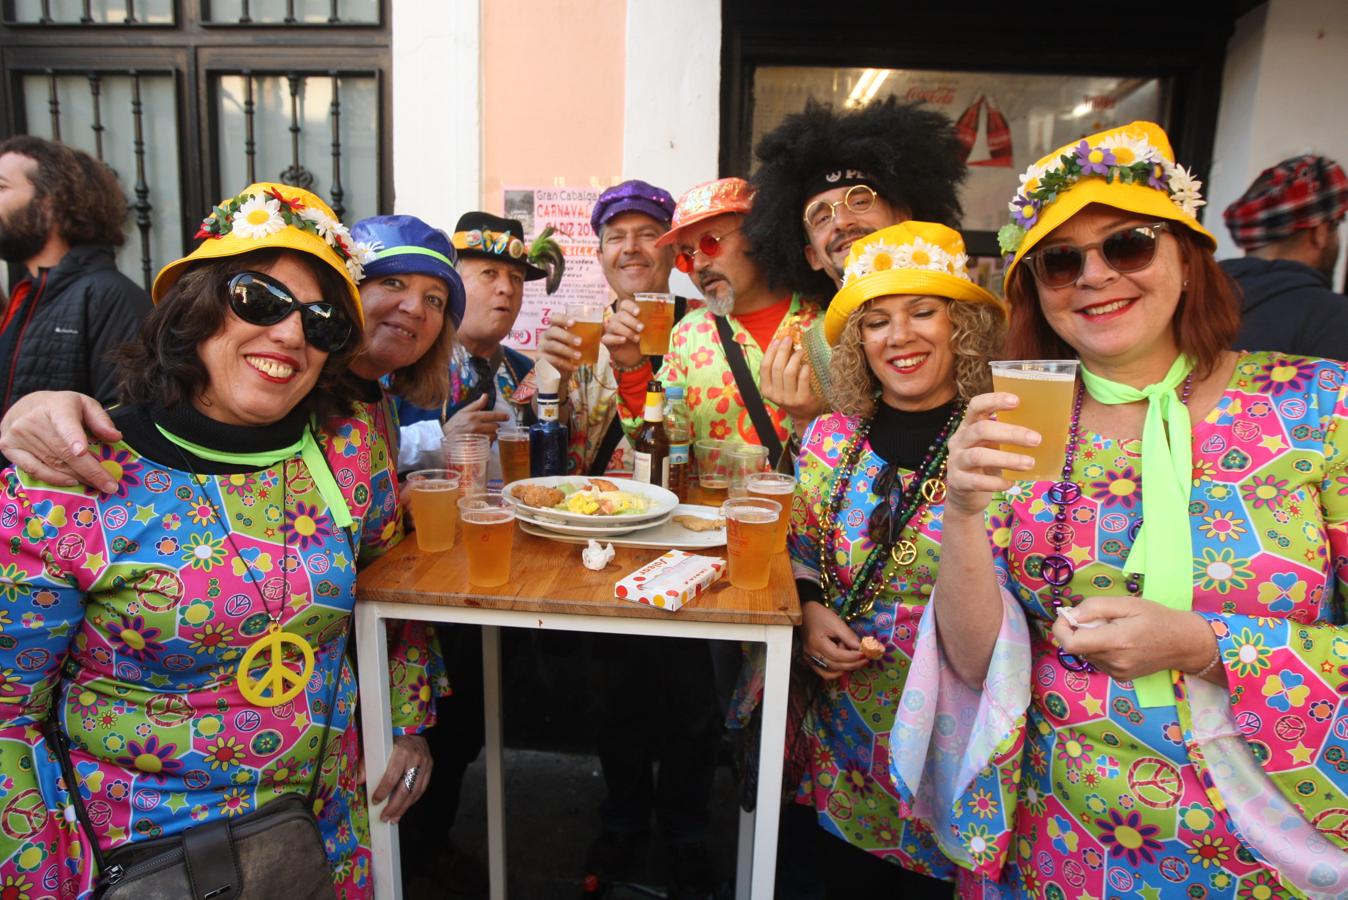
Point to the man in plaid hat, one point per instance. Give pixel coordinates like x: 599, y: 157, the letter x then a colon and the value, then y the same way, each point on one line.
x: 1287, y: 223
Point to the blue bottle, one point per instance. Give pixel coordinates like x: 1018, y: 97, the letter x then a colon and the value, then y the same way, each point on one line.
x: 548, y: 439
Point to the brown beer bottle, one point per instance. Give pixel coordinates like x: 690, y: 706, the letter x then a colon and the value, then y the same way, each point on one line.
x: 652, y: 441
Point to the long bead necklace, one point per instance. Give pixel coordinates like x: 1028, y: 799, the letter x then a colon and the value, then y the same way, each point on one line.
x: 926, y: 487
x: 1057, y: 568
x: 278, y: 683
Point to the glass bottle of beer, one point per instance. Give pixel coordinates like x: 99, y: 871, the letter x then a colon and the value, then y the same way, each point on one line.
x: 651, y: 463
x: 548, y: 439
x: 678, y: 427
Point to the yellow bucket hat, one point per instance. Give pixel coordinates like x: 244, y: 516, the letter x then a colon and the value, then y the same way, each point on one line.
x: 1131, y: 168
x: 266, y: 216
x: 921, y: 258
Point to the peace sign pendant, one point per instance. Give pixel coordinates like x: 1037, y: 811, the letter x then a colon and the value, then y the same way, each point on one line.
x: 904, y: 552
x: 279, y: 682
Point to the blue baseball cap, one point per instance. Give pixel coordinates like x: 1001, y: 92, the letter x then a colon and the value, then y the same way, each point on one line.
x: 632, y: 196
x: 405, y: 245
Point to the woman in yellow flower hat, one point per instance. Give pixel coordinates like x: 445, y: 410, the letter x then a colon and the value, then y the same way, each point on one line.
x: 179, y: 638
x: 911, y: 336
x: 1136, y: 687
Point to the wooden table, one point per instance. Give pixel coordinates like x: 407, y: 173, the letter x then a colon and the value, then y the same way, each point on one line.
x: 550, y: 589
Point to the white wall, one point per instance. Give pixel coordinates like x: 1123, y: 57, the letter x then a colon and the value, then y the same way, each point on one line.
x: 437, y: 109
x: 1282, y: 96
x: 672, y: 113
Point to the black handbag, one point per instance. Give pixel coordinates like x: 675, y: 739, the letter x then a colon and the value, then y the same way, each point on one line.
x: 273, y: 853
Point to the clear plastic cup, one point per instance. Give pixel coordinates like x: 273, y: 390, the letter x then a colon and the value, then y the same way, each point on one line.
x: 467, y: 454
x: 745, y: 460
x: 778, y: 488
x: 588, y: 325
x: 512, y: 442
x: 656, y: 314
x: 1045, y: 388
x: 713, y: 470
x: 433, y: 496
x: 751, y: 534
x: 488, y: 536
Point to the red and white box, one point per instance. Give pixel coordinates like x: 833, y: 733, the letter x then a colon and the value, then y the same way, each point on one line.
x: 671, y: 581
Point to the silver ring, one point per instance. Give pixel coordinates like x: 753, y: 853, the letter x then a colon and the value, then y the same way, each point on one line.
x: 817, y: 661
x: 410, y: 778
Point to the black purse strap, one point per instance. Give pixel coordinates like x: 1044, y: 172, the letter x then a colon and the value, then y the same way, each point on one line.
x: 753, y: 400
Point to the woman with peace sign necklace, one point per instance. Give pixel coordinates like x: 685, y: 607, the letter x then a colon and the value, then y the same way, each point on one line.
x: 1136, y: 687
x: 912, y: 336
x: 183, y: 633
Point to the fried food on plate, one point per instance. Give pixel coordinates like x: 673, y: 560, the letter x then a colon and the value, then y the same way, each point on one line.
x: 698, y: 523
x: 537, y: 495
x: 603, y: 484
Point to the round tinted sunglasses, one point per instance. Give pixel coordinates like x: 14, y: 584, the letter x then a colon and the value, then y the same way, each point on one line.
x: 708, y: 245
x: 1126, y: 250
x: 858, y: 199
x: 262, y: 300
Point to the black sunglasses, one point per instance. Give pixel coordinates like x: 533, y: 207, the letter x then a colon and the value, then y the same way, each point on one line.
x: 1126, y: 250
x: 262, y: 300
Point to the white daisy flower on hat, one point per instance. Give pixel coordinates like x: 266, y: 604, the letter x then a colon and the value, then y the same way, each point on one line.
x: 323, y: 223
x: 878, y: 257
x: 959, y: 265
x: 257, y: 217
x: 1128, y: 149
x: 922, y: 254
x: 1184, y: 190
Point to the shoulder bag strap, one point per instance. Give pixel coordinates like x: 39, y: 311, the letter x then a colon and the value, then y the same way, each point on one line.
x: 753, y: 401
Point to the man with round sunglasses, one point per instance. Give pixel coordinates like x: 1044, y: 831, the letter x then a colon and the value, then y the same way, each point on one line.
x: 741, y: 318
x: 825, y: 179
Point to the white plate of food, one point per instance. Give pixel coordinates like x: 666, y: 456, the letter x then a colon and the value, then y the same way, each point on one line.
x: 596, y: 529
x: 689, y: 527
x: 592, y: 502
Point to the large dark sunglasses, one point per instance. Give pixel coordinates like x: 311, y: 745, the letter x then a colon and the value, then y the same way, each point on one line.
x: 1126, y: 250
x: 709, y: 245
x: 262, y: 300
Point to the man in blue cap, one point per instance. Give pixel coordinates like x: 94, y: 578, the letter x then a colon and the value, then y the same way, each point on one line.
x: 627, y: 219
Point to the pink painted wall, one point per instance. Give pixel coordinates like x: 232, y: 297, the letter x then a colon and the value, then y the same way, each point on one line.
x: 553, y: 74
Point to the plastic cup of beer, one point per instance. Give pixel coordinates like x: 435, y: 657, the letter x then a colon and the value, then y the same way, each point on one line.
x: 467, y: 454
x: 751, y: 536
x: 588, y: 325
x: 512, y: 442
x: 1045, y: 388
x: 488, y: 534
x: 656, y: 313
x: 713, y: 470
x: 779, y: 489
x: 433, y: 495
x: 745, y: 460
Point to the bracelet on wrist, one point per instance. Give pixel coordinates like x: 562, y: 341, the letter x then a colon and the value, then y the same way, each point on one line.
x: 1212, y: 664
x: 622, y: 370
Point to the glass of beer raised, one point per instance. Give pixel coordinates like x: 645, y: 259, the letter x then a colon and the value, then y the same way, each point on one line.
x: 656, y: 312
x: 512, y: 442
x: 1044, y: 387
x: 433, y: 495
x: 713, y: 470
x: 588, y: 316
x: 751, y: 536
x: 488, y: 534
x: 778, y: 488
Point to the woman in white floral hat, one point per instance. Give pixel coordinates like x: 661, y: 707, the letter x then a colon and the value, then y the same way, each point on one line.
x: 912, y: 336
x: 1133, y: 688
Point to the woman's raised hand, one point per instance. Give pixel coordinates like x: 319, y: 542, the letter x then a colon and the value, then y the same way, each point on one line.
x: 975, y: 460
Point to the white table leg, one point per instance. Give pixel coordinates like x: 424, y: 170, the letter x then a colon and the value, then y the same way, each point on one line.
x: 377, y: 724
x: 744, y: 856
x: 776, y: 682
x: 491, y: 703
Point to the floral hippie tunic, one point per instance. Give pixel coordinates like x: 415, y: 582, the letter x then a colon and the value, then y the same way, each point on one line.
x: 1053, y: 783
x: 697, y: 362
x: 130, y: 612
x: 847, y: 727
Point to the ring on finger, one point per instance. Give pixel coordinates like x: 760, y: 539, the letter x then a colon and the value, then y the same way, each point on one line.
x: 410, y: 778
x: 821, y: 663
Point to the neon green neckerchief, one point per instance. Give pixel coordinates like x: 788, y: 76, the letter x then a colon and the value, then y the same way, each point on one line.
x: 308, y: 450
x: 1163, y: 552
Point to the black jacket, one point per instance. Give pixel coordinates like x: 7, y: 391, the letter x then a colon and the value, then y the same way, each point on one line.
x: 73, y: 314
x: 1289, y: 307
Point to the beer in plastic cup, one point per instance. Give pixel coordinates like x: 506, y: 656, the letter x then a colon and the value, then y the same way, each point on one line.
x: 751, y: 536
x: 656, y: 313
x: 744, y: 460
x: 488, y: 535
x: 713, y: 470
x: 512, y: 442
x: 1045, y: 388
x: 433, y: 495
x: 467, y: 454
x: 779, y: 489
x: 588, y: 325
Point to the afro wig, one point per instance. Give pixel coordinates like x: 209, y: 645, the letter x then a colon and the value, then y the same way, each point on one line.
x: 911, y: 155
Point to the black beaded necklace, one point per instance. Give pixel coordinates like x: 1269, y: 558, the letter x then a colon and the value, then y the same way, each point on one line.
x: 926, y: 487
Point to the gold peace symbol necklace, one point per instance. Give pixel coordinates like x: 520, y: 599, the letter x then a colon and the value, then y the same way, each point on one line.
x: 278, y: 683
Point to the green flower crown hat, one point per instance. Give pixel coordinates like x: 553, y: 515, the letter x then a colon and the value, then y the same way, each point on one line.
x: 1131, y: 168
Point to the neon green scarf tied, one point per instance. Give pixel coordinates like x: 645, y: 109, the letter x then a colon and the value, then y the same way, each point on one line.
x: 306, y: 448
x: 1163, y: 552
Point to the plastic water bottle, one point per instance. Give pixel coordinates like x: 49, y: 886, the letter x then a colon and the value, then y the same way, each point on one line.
x: 678, y: 426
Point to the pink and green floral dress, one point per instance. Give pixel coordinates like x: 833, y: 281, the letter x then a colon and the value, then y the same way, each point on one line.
x: 1057, y: 784
x: 128, y: 614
